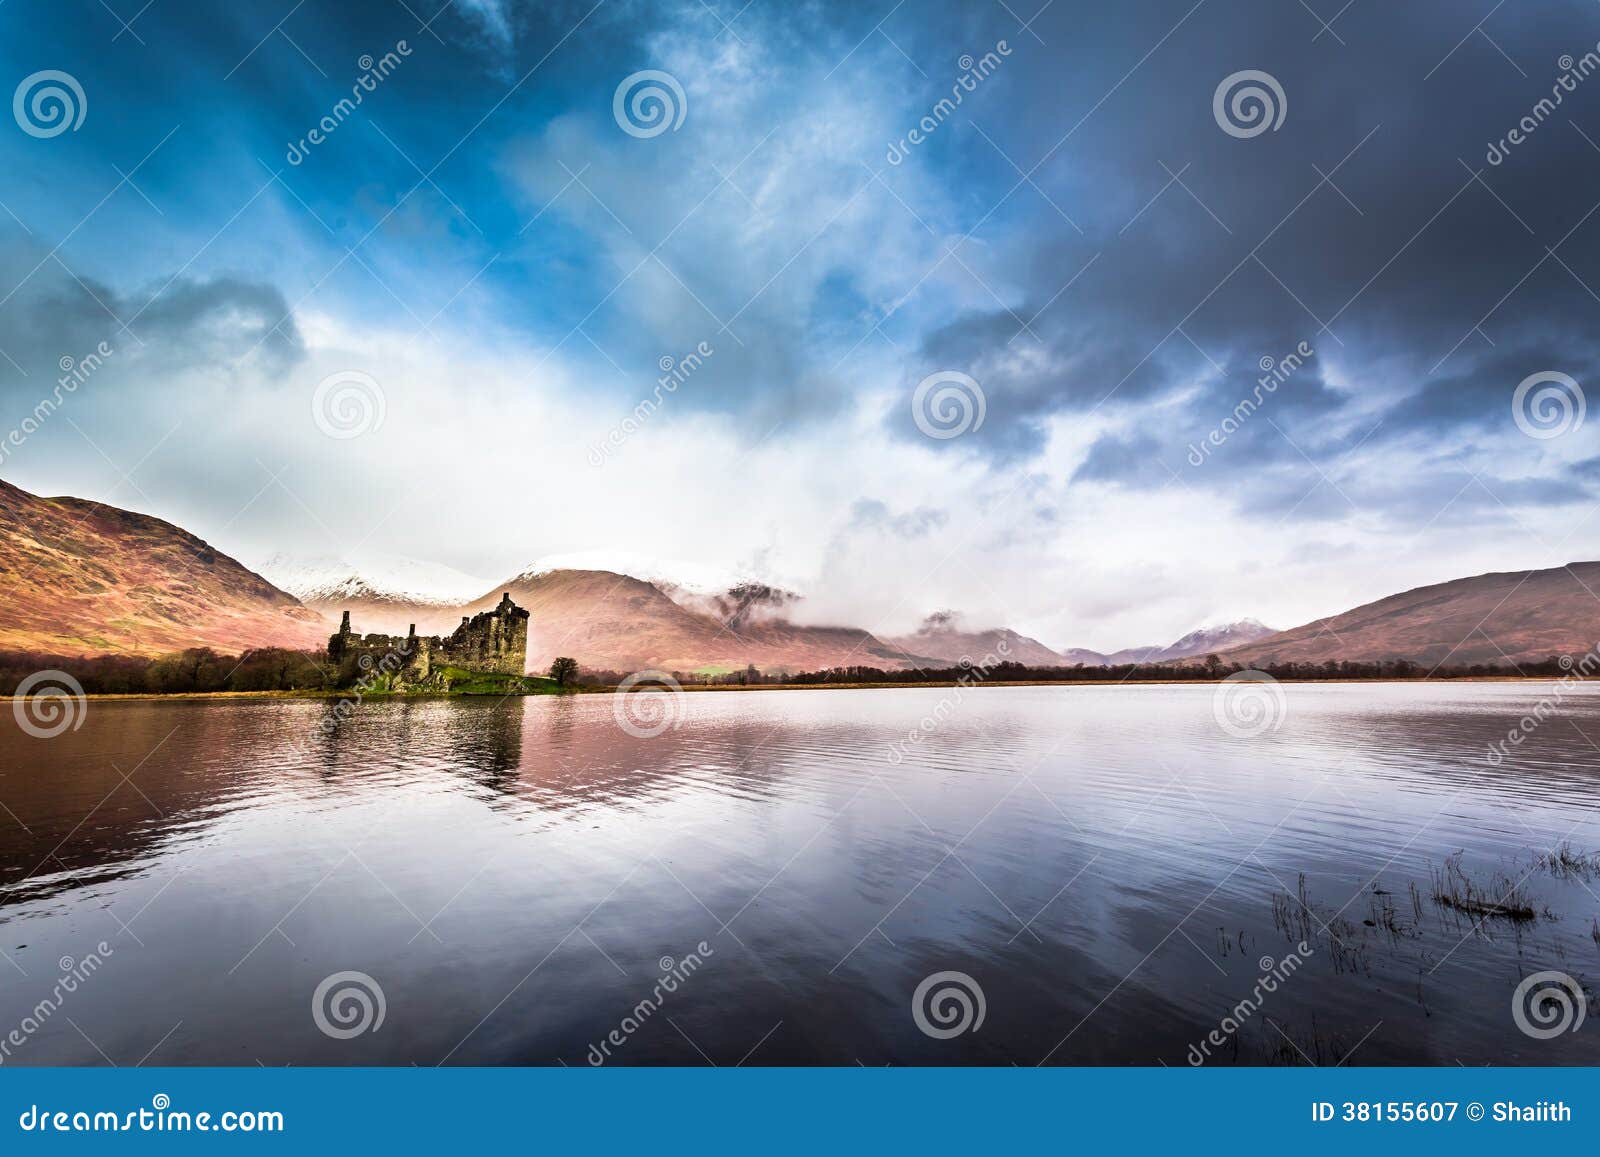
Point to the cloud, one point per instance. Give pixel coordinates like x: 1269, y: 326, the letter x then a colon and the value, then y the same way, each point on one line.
x: 758, y: 227
x: 1078, y: 236
x: 492, y: 17
x: 871, y: 514
x: 175, y: 324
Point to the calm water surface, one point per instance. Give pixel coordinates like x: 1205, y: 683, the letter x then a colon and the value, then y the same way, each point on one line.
x: 1102, y: 862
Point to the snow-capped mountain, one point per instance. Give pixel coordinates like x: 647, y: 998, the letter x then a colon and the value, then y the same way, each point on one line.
x: 1200, y: 641
x: 375, y: 579
x: 1205, y: 640
x: 734, y: 598
x: 944, y: 637
x: 691, y: 577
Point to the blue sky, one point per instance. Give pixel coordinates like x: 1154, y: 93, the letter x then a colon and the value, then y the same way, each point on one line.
x: 504, y: 267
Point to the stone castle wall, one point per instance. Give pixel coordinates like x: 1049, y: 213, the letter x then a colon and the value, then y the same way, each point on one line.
x: 491, y: 643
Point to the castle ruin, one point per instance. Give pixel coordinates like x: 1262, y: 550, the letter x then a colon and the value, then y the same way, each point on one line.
x: 492, y: 643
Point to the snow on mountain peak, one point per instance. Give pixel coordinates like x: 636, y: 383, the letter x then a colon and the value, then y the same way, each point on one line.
x: 385, y: 578
x: 671, y: 575
x: 1218, y: 636
x: 1214, y: 625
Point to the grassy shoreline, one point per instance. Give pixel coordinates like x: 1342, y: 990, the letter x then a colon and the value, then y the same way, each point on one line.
x: 734, y: 687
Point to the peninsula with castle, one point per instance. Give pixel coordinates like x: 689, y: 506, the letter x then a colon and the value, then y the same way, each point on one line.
x: 486, y: 654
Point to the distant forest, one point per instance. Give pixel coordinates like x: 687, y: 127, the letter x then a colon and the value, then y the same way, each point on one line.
x: 276, y: 669
x: 198, y: 669
x: 1207, y: 669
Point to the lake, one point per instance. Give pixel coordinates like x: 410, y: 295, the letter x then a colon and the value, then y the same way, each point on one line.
x: 1067, y: 875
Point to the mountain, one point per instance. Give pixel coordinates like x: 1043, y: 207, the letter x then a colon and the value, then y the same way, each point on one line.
x: 84, y: 578
x: 736, y: 599
x: 1073, y: 656
x: 1513, y: 616
x: 612, y: 621
x: 940, y: 637
x: 1198, y: 642
x: 1206, y: 640
x: 672, y: 577
x: 387, y: 593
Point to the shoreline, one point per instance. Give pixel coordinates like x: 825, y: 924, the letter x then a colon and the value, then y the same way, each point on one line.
x: 250, y: 696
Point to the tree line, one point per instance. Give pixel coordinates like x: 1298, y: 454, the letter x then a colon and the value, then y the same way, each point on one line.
x: 1207, y: 669
x: 200, y: 669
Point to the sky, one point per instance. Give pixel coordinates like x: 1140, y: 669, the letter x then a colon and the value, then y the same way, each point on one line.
x: 1183, y: 312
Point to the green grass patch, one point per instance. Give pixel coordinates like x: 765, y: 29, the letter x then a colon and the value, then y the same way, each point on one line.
x: 464, y: 682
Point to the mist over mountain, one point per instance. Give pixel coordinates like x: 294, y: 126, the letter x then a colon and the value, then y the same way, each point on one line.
x: 618, y: 622
x: 1200, y: 641
x: 85, y: 578
x: 944, y: 636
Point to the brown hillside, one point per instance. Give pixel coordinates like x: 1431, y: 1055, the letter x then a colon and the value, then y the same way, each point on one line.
x: 1514, y: 616
x: 611, y: 621
x: 81, y: 578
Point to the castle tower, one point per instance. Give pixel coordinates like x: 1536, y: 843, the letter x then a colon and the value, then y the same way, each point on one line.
x: 339, y: 644
x: 510, y: 654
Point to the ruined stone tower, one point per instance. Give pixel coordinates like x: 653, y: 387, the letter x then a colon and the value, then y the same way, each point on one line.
x: 494, y: 641
x: 491, y: 643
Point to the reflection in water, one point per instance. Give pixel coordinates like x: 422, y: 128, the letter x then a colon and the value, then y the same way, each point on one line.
x: 1107, y: 866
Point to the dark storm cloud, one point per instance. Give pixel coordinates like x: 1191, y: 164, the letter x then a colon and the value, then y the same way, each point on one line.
x: 1079, y: 235
x: 172, y: 325
x: 1117, y: 458
x: 1479, y: 394
x: 1400, y: 270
